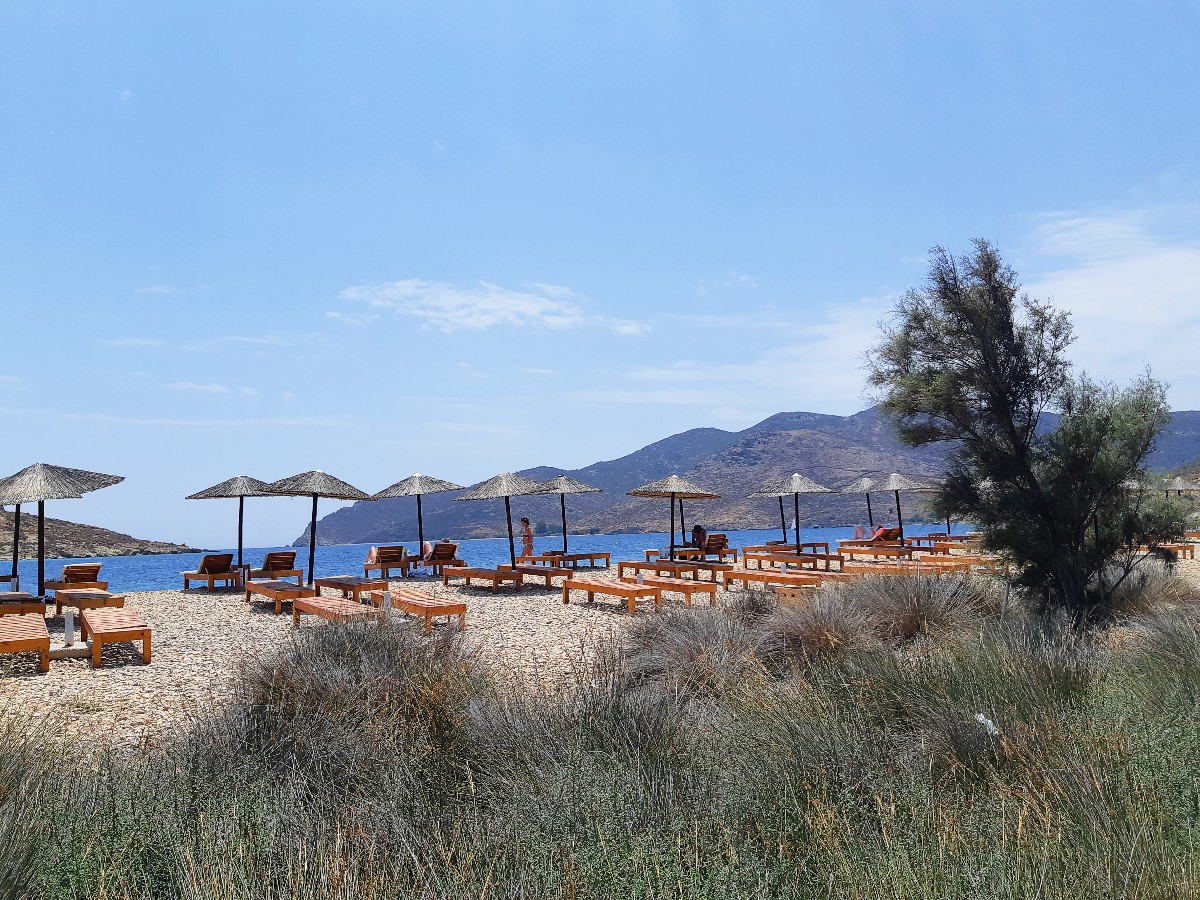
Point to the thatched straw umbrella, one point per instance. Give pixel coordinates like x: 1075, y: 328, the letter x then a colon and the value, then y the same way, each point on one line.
x: 240, y: 486
x: 505, y: 485
x: 415, y: 486
x: 863, y: 486
x: 42, y: 482
x: 673, y: 487
x: 795, y: 485
x: 897, y: 483
x: 562, y: 485
x: 1180, y: 486
x: 315, y: 484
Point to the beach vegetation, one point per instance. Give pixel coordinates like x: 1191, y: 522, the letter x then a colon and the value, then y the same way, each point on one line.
x: 1048, y: 463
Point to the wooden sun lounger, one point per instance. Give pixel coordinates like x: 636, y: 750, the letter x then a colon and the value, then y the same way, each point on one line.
x: 768, y: 577
x: 386, y: 559
x: 109, y: 625
x: 350, y: 586
x: 213, y: 568
x: 19, y: 603
x: 278, y: 564
x: 568, y: 560
x: 684, y: 586
x: 1179, y: 551
x: 544, y: 572
x: 784, y: 559
x: 657, y: 567
x: 888, y: 552
x: 495, y: 576
x: 713, y: 569
x: 336, y: 609
x: 20, y: 634
x: 630, y: 593
x: 278, y: 591
x: 423, y: 605
x: 78, y: 575
x: 86, y: 598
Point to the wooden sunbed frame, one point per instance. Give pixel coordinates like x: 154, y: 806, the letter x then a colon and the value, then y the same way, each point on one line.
x: 630, y: 593
x: 657, y: 567
x: 279, y: 564
x: 350, y: 586
x: 278, y: 591
x: 386, y: 559
x: 109, y: 625
x: 684, y: 586
x: 214, y: 567
x: 335, y: 609
x: 86, y: 598
x: 23, y: 633
x: 19, y: 603
x: 423, y: 605
x: 769, y: 577
x: 495, y: 576
x: 80, y: 575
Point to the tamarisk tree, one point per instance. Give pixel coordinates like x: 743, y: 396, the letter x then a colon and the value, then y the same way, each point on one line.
x: 971, y: 360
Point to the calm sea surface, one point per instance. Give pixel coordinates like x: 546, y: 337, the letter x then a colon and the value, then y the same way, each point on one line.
x: 151, y: 573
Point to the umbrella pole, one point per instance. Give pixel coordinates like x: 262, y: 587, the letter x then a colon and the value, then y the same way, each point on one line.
x: 41, y: 548
x: 796, y: 501
x: 682, y: 524
x: 672, y: 551
x: 241, y: 511
x: 782, y: 518
x: 312, y: 542
x: 870, y: 516
x: 512, y: 550
x: 899, y: 518
x: 420, y: 529
x: 562, y: 502
x: 16, y: 575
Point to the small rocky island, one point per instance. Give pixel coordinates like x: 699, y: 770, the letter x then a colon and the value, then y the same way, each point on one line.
x: 70, y: 540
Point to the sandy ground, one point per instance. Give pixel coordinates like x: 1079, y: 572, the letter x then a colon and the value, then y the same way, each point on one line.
x: 201, y: 639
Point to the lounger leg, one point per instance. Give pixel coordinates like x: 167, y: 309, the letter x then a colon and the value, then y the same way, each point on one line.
x: 632, y: 604
x: 96, y: 653
x: 462, y: 621
x: 428, y: 622
x: 146, y: 646
x: 44, y: 659
x: 295, y: 616
x: 566, y: 594
x: 279, y: 606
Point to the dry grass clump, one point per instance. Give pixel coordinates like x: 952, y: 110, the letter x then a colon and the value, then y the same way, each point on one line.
x: 828, y: 626
x: 698, y: 652
x: 906, y: 607
x: 1152, y: 587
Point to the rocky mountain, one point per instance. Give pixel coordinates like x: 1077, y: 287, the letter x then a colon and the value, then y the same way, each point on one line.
x: 66, y: 540
x: 831, y: 450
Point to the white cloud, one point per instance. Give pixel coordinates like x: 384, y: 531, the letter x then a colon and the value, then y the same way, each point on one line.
x: 287, y: 395
x: 12, y: 382
x: 158, y: 289
x: 449, y: 308
x: 1134, y: 297
x: 199, y: 388
x: 533, y: 371
x: 249, y: 392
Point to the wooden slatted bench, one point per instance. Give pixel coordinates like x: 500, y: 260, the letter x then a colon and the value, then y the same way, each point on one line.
x: 109, y: 625
x: 713, y: 569
x: 86, y: 598
x: 495, y: 577
x: 423, y: 605
x: 685, y: 586
x: 896, y: 552
x: 782, y: 559
x: 630, y: 593
x: 19, y: 603
x: 1179, y: 551
x: 278, y: 592
x: 657, y: 567
x: 350, y: 586
x: 768, y: 577
x: 23, y: 633
x: 544, y: 572
x: 336, y: 609
x: 568, y: 560
x: 386, y: 559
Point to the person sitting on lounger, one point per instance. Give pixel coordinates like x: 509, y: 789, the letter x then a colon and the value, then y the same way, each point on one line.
x: 860, y: 533
x: 699, y: 537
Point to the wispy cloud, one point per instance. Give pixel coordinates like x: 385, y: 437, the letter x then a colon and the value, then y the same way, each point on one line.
x: 12, y: 382
x: 707, y: 286
x: 199, y: 388
x: 129, y: 342
x: 259, y: 421
x: 449, y: 308
x: 528, y: 370
x: 249, y: 392
x: 158, y: 289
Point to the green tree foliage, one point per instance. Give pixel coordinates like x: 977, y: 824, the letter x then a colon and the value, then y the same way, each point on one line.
x: 971, y: 360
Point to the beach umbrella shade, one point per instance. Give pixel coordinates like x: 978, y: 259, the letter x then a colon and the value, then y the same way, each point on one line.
x: 863, y: 486
x: 415, y: 486
x: 505, y: 485
x: 675, y: 488
x: 562, y: 485
x: 41, y: 482
x: 1180, y: 486
x: 897, y: 483
x: 241, y: 487
x: 796, y: 485
x: 315, y: 484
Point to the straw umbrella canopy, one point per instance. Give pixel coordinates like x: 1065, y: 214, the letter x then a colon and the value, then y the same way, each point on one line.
x: 315, y: 484
x: 897, y: 483
x: 240, y: 486
x: 415, y: 486
x: 506, y: 485
x: 675, y: 488
x: 562, y: 485
x: 1180, y: 486
x: 796, y: 485
x: 863, y: 486
x: 41, y: 482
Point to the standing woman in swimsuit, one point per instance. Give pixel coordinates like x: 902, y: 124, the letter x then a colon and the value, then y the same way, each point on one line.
x: 526, y: 537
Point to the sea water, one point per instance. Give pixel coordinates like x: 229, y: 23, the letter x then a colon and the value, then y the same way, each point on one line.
x: 162, y: 571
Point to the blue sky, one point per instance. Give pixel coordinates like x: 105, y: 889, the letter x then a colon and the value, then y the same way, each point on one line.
x: 463, y: 239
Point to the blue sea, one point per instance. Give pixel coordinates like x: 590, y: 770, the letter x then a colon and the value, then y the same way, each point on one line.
x: 161, y: 572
